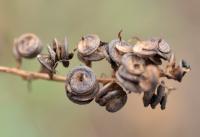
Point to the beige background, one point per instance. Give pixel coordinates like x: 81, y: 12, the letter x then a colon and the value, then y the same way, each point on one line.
x: 46, y: 112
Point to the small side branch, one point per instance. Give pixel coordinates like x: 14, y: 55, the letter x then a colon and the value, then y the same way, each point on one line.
x: 27, y: 75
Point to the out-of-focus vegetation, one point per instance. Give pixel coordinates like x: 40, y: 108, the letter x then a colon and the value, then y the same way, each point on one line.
x: 46, y: 112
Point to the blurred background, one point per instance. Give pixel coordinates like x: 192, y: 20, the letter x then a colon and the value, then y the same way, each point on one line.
x: 46, y: 111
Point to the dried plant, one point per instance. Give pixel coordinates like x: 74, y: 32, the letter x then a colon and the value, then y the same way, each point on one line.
x: 137, y: 68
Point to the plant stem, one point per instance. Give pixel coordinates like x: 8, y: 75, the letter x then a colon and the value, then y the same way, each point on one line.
x: 26, y: 75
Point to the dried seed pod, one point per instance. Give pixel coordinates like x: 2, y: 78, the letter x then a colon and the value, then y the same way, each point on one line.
x: 133, y: 64
x: 163, y: 102
x: 147, y: 98
x: 81, y: 85
x: 152, y: 47
x: 46, y: 62
x: 117, y: 48
x: 90, y: 48
x: 177, y: 72
x: 28, y: 45
x: 65, y: 54
x: 112, y: 96
x: 160, y: 94
x: 62, y: 53
x: 117, y: 100
x: 108, y: 58
x: 88, y: 44
x: 127, y: 76
x: 95, y: 56
x: 181, y: 70
x: 52, y: 54
x: 127, y: 85
x: 144, y: 48
x: 149, y: 78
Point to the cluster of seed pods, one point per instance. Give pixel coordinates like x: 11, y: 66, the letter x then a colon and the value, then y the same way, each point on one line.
x: 137, y: 68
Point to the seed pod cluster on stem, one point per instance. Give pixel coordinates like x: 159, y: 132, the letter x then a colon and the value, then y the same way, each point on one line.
x: 137, y: 68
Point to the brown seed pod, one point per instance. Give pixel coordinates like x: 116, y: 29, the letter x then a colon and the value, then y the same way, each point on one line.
x: 81, y: 85
x: 149, y: 79
x: 127, y: 76
x: 133, y: 64
x: 127, y: 86
x: 27, y: 46
x: 177, y: 72
x: 112, y: 96
x: 90, y: 48
x: 46, y: 62
x: 117, y: 48
x: 108, y: 58
x: 62, y: 53
x: 147, y: 98
x: 144, y: 48
x: 117, y: 100
x: 152, y: 47
x: 88, y: 44
x: 160, y: 94
x: 52, y: 54
x: 95, y: 56
x: 163, y: 102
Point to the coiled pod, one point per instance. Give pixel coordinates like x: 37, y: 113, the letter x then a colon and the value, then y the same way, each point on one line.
x: 153, y: 49
x: 81, y: 85
x: 134, y: 64
x: 112, y: 97
x: 150, y: 78
x: 28, y: 46
x: 127, y: 76
x: 117, y: 48
x: 129, y: 73
x: 90, y: 48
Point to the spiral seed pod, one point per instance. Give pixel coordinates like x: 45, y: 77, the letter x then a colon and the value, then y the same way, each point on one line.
x: 88, y: 44
x: 160, y: 94
x: 90, y: 48
x: 149, y: 78
x: 95, y: 56
x: 117, y: 48
x: 152, y: 47
x: 28, y: 45
x: 108, y: 58
x: 112, y: 96
x: 128, y: 86
x: 81, y: 85
x: 127, y: 76
x: 133, y: 64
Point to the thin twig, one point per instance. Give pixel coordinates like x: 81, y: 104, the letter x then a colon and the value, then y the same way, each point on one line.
x: 36, y: 75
